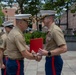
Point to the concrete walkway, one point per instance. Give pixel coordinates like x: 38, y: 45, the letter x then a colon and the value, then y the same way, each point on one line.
x: 37, y: 68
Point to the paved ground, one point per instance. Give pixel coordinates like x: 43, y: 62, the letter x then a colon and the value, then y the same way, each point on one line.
x: 37, y: 68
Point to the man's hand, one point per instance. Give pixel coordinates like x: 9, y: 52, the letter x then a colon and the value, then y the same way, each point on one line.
x: 42, y: 52
x: 36, y: 56
x: 2, y: 66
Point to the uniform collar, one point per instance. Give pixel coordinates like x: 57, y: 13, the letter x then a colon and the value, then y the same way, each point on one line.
x: 19, y: 30
x: 7, y: 33
x: 51, y: 27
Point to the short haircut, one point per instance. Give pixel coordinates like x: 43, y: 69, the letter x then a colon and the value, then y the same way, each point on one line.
x: 47, y: 16
x: 53, y: 16
x: 22, y: 20
x: 11, y: 26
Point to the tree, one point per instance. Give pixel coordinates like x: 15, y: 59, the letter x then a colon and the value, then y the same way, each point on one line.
x: 10, y: 2
x: 27, y: 6
x: 58, y: 5
x: 33, y: 7
x: 21, y: 4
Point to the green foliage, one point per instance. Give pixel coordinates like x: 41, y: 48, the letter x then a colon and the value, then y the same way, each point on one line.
x: 73, y: 11
x: 10, y: 2
x: 1, y: 16
x: 35, y: 34
x: 58, y: 5
x: 21, y: 4
x: 27, y: 6
x: 27, y: 37
x: 33, y: 7
x: 48, y: 6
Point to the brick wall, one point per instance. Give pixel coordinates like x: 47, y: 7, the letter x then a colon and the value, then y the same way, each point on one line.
x: 9, y: 13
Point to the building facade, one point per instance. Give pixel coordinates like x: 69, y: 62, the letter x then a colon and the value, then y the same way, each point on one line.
x: 71, y: 20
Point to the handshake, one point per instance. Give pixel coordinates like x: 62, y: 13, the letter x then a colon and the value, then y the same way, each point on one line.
x: 38, y: 56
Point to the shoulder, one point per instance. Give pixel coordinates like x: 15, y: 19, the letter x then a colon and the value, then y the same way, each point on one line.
x: 14, y: 33
x: 57, y: 29
x: 4, y: 36
x: 57, y: 32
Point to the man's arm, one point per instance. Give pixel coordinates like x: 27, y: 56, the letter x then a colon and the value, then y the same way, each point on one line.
x: 61, y: 49
x: 1, y: 57
x: 28, y: 55
x: 24, y: 49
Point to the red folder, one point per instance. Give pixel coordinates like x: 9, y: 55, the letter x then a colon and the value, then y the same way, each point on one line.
x: 35, y: 44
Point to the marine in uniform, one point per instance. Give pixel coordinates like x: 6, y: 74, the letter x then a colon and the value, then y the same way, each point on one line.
x: 17, y: 48
x: 1, y: 49
x: 55, y: 45
x: 8, y: 25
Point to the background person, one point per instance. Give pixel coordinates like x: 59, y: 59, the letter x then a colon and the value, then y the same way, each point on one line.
x: 55, y: 45
x: 8, y: 25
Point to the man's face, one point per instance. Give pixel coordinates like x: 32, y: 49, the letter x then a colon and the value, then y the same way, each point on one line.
x: 7, y: 29
x: 23, y: 25
x: 46, y: 21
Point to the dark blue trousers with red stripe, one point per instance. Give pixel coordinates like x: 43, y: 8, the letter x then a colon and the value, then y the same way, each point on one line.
x: 53, y: 65
x: 3, y: 71
x: 15, y: 67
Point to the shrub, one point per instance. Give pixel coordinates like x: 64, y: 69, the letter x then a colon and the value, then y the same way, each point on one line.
x: 27, y: 37
x: 35, y: 34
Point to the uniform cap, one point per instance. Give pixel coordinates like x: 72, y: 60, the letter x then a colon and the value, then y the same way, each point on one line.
x: 47, y: 12
x: 44, y: 13
x: 23, y: 16
x: 7, y: 23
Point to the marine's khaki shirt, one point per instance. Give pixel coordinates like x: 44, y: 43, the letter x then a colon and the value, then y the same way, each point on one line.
x: 1, y: 42
x: 54, y: 37
x: 15, y: 43
x: 4, y: 43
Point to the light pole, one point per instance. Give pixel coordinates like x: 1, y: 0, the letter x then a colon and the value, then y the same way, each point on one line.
x: 67, y: 16
x: 6, y: 14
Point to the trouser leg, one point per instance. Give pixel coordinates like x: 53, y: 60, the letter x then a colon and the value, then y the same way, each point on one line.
x: 15, y: 67
x: 53, y: 65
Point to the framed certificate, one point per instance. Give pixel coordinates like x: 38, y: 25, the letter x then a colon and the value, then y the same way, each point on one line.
x: 35, y: 44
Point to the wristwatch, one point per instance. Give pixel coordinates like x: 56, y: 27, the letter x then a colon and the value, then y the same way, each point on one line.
x: 49, y: 54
